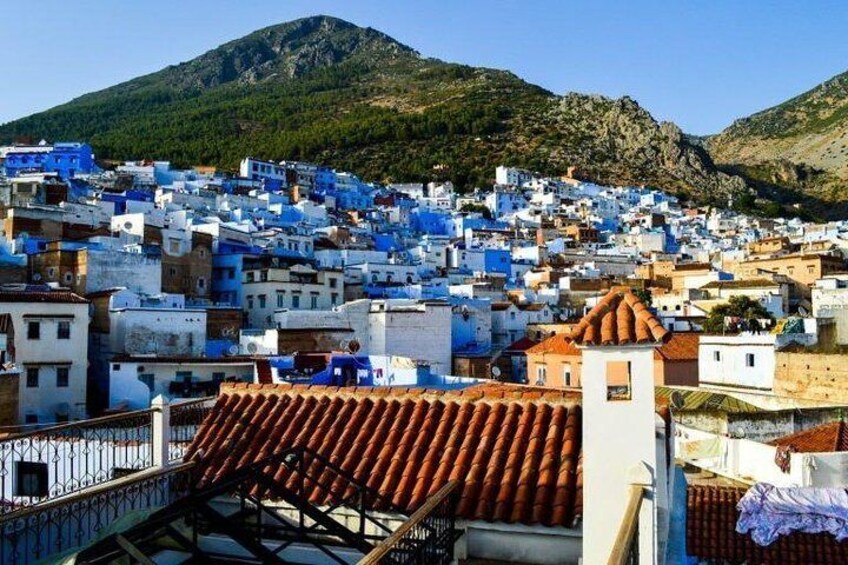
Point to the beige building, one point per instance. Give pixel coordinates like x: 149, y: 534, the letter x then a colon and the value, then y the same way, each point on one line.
x: 801, y: 269
x: 267, y: 289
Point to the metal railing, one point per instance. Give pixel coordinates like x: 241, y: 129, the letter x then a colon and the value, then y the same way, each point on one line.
x: 185, y: 421
x: 65, y: 525
x: 626, y: 548
x: 426, y: 538
x: 59, y: 460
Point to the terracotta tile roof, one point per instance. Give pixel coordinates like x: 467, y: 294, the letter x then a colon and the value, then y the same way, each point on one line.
x: 55, y: 296
x: 681, y: 347
x: 620, y: 318
x: 711, y: 535
x: 558, y: 344
x: 821, y: 439
x: 516, y: 450
x: 522, y: 344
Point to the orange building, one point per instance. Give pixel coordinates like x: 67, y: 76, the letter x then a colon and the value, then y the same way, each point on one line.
x: 557, y: 362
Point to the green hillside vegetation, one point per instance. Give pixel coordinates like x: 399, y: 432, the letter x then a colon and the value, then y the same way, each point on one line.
x: 324, y: 90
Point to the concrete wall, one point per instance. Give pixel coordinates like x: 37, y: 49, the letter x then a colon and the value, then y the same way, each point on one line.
x: 163, y: 332
x: 138, y: 272
x: 418, y: 331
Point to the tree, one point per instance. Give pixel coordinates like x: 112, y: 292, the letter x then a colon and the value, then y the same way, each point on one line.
x: 479, y: 208
x: 743, y: 307
x: 644, y: 295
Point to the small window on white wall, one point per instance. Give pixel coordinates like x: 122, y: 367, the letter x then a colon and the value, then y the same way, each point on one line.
x: 566, y: 374
x: 716, y: 356
x: 749, y: 360
x: 618, y: 381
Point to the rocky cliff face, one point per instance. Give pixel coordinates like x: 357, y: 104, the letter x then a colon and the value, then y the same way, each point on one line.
x: 801, y: 144
x: 326, y: 90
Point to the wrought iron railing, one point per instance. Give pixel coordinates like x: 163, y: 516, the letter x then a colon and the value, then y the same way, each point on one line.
x: 626, y: 548
x: 51, y: 462
x: 426, y: 538
x: 46, y: 532
x: 185, y: 421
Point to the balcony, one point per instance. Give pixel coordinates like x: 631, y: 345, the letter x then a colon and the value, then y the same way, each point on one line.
x: 247, y: 516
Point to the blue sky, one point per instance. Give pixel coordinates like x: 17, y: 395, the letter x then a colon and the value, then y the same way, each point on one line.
x: 700, y: 64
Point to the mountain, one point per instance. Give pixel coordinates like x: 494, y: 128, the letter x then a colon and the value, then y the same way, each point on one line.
x: 326, y: 90
x: 801, y: 144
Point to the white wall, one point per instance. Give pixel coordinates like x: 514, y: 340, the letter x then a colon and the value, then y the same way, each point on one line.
x: 731, y: 369
x: 49, y: 353
x: 617, y: 437
x: 139, y: 331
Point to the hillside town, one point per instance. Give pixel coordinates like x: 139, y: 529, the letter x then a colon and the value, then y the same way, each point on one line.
x: 544, y: 370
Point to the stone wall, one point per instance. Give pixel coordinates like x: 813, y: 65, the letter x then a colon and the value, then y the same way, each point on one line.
x: 811, y: 375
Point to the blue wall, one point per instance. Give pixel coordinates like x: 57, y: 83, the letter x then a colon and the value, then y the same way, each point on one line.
x: 66, y: 159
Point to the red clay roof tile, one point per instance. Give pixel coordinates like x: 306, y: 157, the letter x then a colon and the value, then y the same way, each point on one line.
x: 518, y: 459
x: 821, y: 439
x: 619, y: 318
x: 711, y: 535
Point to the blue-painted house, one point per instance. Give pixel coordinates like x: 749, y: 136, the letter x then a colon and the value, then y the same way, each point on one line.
x: 66, y: 159
x: 227, y: 267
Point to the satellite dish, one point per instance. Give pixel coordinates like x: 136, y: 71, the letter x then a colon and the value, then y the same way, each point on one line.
x: 36, y: 277
x: 233, y: 350
x: 496, y: 372
x: 251, y: 348
x: 128, y: 225
x: 803, y: 311
x: 677, y: 400
x: 353, y: 346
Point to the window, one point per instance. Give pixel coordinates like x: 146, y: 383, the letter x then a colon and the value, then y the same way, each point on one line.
x: 201, y: 283
x: 68, y: 278
x: 262, y: 300
x: 716, y: 356
x: 295, y: 301
x: 333, y: 282
x: 63, y: 330
x: 31, y: 419
x: 184, y: 376
x: 618, y: 380
x: 62, y: 376
x: 33, y: 330
x: 251, y: 276
x: 32, y: 377
x: 334, y: 298
x: 30, y: 479
x: 541, y: 375
x: 116, y: 366
x: 749, y: 359
x: 280, y: 299
x: 314, y: 302
x: 250, y: 302
x: 566, y: 374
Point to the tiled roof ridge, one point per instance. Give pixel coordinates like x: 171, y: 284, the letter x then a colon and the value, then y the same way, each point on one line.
x: 494, y: 393
x: 619, y: 318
